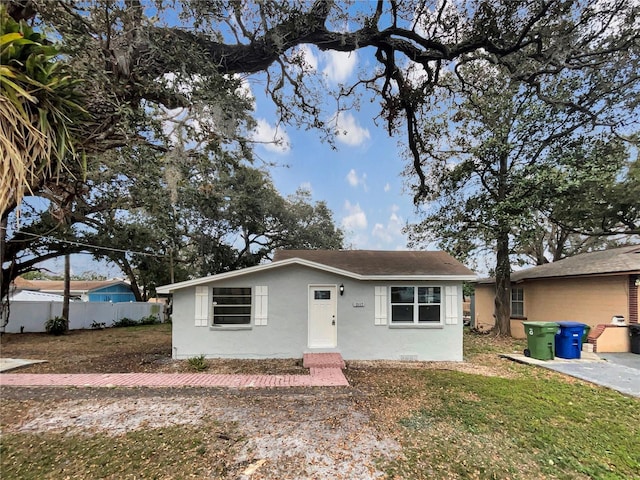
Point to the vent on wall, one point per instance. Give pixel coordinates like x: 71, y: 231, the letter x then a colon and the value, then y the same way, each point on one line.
x: 408, y: 358
x: 618, y: 320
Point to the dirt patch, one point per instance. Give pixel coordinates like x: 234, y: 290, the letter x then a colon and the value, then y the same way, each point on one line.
x: 114, y: 417
x: 315, y: 434
x: 145, y: 349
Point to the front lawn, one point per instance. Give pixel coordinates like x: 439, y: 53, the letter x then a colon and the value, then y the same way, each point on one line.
x: 506, y: 421
x: 487, y: 418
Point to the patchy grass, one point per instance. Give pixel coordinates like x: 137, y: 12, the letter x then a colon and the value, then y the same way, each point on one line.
x: 519, y: 422
x: 488, y: 418
x: 183, y: 451
x: 480, y: 344
x: 132, y: 349
x: 141, y: 348
x: 519, y: 428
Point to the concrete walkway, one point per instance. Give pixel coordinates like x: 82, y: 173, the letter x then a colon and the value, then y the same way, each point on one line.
x: 325, y: 371
x: 619, y: 372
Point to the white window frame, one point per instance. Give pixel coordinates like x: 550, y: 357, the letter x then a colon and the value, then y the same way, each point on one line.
x: 416, y: 306
x: 519, y: 301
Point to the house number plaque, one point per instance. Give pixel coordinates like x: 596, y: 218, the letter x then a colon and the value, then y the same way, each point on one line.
x: 358, y: 304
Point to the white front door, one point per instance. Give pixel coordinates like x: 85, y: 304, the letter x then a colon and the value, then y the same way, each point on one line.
x: 322, y: 316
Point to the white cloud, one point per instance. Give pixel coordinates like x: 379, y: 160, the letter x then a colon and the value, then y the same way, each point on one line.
x: 415, y: 73
x: 310, y: 58
x: 355, y: 180
x: 348, y: 131
x: 355, y: 219
x: 244, y: 90
x: 339, y: 65
x: 387, y: 187
x: 390, y: 232
x: 379, y: 231
x: 273, y: 139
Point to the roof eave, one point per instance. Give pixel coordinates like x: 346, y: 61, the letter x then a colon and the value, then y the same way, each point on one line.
x: 166, y: 289
x: 421, y: 278
x: 579, y: 275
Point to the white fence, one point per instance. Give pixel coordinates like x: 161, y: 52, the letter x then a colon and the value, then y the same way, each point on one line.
x: 31, y: 316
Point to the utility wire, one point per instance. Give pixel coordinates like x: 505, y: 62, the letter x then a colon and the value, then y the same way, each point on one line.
x: 87, y: 245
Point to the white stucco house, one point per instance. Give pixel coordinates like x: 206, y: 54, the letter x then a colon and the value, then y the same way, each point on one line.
x: 363, y: 304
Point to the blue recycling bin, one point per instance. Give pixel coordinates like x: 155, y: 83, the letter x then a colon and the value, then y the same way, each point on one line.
x: 568, y: 341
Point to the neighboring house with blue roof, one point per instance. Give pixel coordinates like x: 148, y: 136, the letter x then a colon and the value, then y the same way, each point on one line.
x: 114, y: 291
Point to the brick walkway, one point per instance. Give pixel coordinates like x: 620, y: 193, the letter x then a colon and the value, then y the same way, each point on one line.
x: 324, y: 372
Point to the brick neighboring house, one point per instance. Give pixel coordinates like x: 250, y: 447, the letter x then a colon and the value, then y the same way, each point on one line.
x: 589, y: 288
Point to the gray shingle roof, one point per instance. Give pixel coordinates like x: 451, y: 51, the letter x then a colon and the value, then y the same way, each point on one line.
x: 381, y: 262
x: 612, y: 261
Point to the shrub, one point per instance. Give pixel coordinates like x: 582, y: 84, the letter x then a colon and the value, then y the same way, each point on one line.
x: 55, y: 326
x: 198, y: 363
x: 149, y: 320
x: 125, y: 322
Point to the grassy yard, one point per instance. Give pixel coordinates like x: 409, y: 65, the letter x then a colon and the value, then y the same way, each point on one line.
x: 507, y: 421
x: 488, y: 418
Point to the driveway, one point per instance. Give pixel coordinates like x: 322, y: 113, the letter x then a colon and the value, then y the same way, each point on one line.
x: 618, y: 371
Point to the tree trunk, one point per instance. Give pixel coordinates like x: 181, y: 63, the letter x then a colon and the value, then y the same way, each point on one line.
x: 4, y: 280
x: 171, y: 269
x: 126, y: 268
x: 4, y: 288
x: 503, y: 287
x: 67, y: 289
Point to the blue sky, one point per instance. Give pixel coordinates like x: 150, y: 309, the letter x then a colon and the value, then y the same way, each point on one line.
x: 360, y: 180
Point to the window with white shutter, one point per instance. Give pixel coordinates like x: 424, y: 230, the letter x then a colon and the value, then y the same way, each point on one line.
x: 380, y: 306
x: 451, y: 305
x: 202, y: 307
x: 261, y: 305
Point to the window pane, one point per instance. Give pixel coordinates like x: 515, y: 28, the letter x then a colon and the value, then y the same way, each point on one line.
x: 232, y: 305
x: 232, y: 300
x: 231, y: 320
x: 429, y: 313
x: 402, y: 294
x: 428, y: 294
x: 322, y: 294
x: 231, y: 310
x: 232, y: 291
x: 402, y: 313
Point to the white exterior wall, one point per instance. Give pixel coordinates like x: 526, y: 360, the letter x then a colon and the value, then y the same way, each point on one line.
x: 31, y: 316
x: 285, y: 335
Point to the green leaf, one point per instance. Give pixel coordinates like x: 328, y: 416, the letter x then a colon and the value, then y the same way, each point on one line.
x: 18, y: 89
x: 8, y: 38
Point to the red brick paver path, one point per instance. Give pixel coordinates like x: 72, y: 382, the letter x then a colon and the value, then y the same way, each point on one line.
x: 327, y: 375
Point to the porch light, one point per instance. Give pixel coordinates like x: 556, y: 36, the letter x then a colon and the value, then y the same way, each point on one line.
x: 341, y: 288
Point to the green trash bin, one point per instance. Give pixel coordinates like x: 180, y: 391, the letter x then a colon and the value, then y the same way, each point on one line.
x: 540, y: 339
